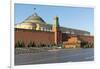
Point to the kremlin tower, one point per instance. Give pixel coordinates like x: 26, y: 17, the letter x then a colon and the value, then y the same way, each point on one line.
x: 57, y: 31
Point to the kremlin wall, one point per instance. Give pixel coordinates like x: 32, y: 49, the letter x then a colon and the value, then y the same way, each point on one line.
x: 35, y: 29
x: 36, y: 36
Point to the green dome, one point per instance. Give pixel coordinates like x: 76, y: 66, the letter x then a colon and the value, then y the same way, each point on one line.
x: 35, y: 19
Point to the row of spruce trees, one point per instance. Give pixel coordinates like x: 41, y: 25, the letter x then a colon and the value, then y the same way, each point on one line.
x: 87, y: 45
x: 32, y: 44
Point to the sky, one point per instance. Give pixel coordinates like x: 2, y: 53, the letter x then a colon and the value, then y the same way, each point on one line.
x: 71, y: 17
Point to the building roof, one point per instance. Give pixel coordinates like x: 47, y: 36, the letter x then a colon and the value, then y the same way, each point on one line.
x: 34, y: 18
x: 66, y: 29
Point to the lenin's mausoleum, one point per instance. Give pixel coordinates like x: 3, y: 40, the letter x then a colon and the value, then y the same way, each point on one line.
x: 35, y: 29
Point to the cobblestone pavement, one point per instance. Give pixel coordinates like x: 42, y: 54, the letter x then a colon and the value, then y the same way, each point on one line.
x: 55, y: 56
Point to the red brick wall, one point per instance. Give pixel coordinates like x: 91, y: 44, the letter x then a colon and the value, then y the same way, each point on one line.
x: 89, y: 39
x: 37, y: 36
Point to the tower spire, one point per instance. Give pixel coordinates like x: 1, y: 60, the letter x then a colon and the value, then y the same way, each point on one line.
x: 56, y: 21
x: 57, y: 31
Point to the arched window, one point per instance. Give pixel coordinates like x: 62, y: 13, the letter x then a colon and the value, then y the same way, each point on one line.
x: 42, y: 29
x: 67, y: 32
x: 72, y: 32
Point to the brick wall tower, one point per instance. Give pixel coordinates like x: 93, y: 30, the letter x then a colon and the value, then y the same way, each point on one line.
x: 57, y: 31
